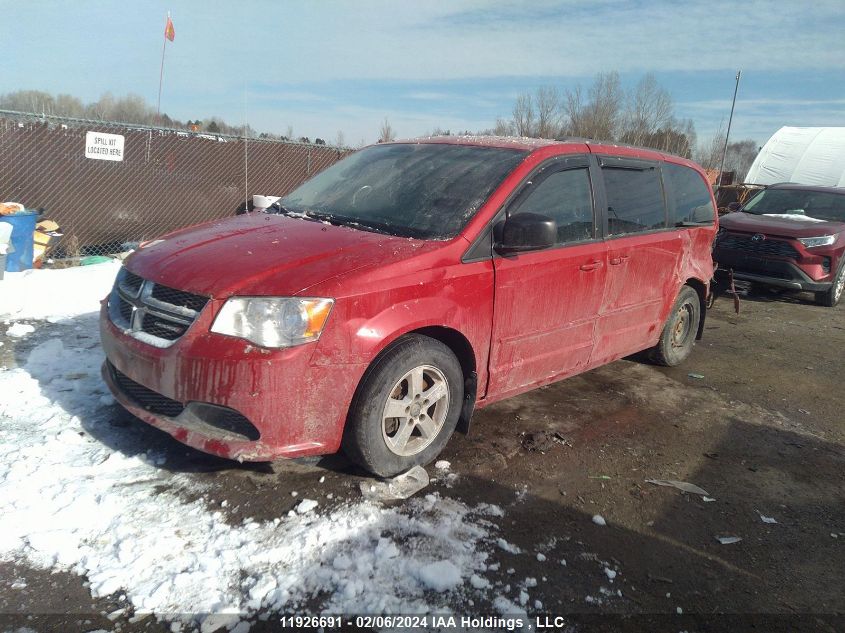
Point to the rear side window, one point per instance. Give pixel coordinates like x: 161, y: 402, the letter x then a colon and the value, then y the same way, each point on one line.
x: 689, y: 196
x: 566, y: 197
x: 634, y: 200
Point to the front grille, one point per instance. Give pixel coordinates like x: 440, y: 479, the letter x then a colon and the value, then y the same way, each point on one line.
x: 131, y: 282
x: 125, y: 309
x: 145, y: 309
x: 209, y: 419
x: 159, y: 327
x: 179, y: 298
x: 150, y: 400
x: 768, y: 246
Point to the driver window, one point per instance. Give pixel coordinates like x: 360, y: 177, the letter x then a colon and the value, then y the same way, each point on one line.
x: 564, y: 196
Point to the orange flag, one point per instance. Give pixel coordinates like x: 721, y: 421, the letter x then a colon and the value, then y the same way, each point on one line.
x: 169, y: 31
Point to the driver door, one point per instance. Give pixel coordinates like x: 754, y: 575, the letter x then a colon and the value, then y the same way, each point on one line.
x: 547, y: 301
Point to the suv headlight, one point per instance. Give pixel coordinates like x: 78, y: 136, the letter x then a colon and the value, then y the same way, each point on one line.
x: 824, y: 240
x: 273, y: 321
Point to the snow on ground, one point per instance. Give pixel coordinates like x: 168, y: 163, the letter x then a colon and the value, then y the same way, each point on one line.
x: 55, y: 294
x: 77, y: 493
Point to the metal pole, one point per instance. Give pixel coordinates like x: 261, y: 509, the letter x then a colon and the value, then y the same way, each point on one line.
x: 728, y: 134
x: 161, y: 71
x: 246, y: 154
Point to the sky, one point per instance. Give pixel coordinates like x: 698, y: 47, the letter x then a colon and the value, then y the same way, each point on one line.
x: 321, y: 66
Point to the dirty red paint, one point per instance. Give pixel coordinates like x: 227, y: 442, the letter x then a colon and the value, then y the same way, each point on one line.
x: 528, y: 319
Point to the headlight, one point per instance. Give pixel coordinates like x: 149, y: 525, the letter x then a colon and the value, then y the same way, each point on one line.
x: 273, y: 321
x: 825, y: 240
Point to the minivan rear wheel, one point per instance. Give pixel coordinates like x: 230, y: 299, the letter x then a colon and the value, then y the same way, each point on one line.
x: 678, y: 336
x: 406, y: 408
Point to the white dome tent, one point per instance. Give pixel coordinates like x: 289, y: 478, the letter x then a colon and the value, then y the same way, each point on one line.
x: 804, y: 155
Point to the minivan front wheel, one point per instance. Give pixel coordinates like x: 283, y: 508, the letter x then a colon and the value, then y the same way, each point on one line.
x: 678, y: 336
x: 406, y: 407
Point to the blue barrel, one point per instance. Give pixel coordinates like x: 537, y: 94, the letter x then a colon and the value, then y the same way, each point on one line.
x: 23, y: 229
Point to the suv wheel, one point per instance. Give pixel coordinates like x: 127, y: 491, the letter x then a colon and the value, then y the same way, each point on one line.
x: 678, y: 336
x: 406, y: 407
x: 831, y: 297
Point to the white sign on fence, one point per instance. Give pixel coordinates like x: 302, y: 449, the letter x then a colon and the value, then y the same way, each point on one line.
x: 103, y: 146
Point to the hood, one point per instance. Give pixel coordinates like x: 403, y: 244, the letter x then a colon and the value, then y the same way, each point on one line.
x: 264, y: 254
x: 783, y: 227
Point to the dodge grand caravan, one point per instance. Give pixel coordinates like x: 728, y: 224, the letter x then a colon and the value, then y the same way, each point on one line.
x: 411, y: 282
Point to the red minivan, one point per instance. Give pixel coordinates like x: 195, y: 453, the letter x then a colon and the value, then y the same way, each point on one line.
x: 409, y: 283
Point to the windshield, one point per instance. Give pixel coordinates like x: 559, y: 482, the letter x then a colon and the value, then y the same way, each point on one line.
x: 819, y: 205
x: 426, y: 190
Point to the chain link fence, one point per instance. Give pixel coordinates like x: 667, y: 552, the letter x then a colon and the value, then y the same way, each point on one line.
x: 107, y: 183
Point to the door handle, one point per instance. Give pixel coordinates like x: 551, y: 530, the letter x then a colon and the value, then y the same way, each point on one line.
x: 615, y: 261
x: 590, y: 266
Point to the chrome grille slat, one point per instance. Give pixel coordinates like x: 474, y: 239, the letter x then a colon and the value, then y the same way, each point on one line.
x: 146, y: 309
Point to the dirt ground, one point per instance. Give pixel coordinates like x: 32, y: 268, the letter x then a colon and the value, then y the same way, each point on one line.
x: 754, y: 417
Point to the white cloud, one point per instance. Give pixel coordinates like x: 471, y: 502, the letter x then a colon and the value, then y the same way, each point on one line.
x: 460, y: 39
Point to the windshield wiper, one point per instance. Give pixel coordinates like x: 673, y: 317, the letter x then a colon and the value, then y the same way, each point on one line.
x: 278, y: 208
x: 331, y: 218
x: 345, y: 220
x: 305, y: 214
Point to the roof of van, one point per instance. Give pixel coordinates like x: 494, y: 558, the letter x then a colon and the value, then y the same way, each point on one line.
x: 531, y: 144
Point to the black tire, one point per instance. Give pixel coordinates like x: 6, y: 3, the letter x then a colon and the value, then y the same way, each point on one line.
x: 367, y: 434
x: 829, y: 298
x: 678, y: 336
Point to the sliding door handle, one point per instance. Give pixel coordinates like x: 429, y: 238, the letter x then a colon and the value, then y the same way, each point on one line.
x: 590, y: 266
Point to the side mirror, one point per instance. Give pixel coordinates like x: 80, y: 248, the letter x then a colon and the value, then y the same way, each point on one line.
x: 527, y: 232
x: 734, y: 206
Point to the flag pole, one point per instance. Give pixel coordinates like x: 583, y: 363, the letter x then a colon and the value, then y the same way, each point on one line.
x: 161, y: 71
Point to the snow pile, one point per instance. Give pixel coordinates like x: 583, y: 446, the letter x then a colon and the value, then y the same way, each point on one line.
x: 19, y: 330
x: 80, y: 494
x: 57, y: 293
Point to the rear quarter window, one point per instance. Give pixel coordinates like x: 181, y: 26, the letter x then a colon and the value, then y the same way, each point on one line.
x: 688, y: 195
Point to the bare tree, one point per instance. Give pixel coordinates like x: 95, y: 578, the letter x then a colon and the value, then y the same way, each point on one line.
x: 649, y: 110
x: 524, y: 123
x: 549, y: 114
x: 709, y: 153
x: 67, y: 105
x: 131, y: 109
x: 28, y: 101
x: 503, y: 128
x: 741, y: 155
x: 644, y: 117
x: 599, y: 115
x: 101, y: 109
x: 340, y: 139
x: 386, y: 131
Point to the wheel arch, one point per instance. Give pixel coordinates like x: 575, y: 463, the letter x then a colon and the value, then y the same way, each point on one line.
x: 459, y: 345
x: 701, y: 290
x: 462, y: 349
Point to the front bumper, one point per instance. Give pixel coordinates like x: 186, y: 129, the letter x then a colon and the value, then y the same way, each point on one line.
x: 773, y: 272
x: 225, y: 397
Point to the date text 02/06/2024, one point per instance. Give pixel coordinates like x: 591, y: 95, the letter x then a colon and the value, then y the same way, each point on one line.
x: 336, y: 622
